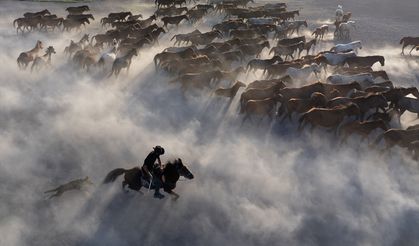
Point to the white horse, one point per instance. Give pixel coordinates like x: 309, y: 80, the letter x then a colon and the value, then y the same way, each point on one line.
x: 344, y: 29
x: 364, y: 79
x: 337, y: 59
x: 352, y: 46
x: 339, y: 13
x: 304, y: 72
x: 107, y: 58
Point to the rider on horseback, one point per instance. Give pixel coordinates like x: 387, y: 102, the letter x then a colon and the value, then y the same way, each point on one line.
x: 152, y: 170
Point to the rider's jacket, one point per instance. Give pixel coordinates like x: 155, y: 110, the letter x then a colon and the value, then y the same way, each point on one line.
x: 150, y: 161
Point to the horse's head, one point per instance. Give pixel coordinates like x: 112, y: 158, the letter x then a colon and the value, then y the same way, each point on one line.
x: 50, y: 50
x: 239, y: 84
x: 87, y: 180
x: 381, y: 59
x: 182, y: 169
x: 39, y: 44
x: 315, y: 68
x: 85, y: 38
x: 414, y: 91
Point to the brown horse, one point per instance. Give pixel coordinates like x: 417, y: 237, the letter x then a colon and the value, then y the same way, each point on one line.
x: 327, y: 117
x: 174, y: 20
x: 399, y: 137
x: 26, y: 57
x: 230, y: 92
x: 134, y: 179
x: 363, y: 129
x: 123, y: 62
x: 364, y: 61
x: 44, y: 60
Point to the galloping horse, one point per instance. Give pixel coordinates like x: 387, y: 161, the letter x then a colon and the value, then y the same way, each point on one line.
x: 26, y: 57
x: 134, y: 179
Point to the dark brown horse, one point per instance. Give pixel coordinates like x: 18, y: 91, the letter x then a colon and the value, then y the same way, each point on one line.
x: 364, y: 61
x: 173, y: 20
x: 407, y: 41
x: 171, y: 172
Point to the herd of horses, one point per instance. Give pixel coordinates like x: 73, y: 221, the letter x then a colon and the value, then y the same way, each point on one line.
x: 353, y: 100
x: 348, y: 97
x: 45, y: 21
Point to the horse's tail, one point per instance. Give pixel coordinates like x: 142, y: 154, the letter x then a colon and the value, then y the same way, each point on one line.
x: 53, y: 190
x: 402, y: 40
x: 14, y: 22
x: 112, y: 175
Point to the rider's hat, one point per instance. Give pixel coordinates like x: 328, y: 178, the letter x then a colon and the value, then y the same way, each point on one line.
x: 159, y: 150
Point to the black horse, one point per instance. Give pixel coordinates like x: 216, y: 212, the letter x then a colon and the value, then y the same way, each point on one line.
x: 170, y: 174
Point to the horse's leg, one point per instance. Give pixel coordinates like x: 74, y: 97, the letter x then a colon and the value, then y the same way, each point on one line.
x: 404, y: 46
x: 124, y: 183
x: 174, y: 195
x: 410, y: 53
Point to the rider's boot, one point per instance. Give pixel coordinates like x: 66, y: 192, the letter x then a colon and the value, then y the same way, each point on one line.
x: 157, y: 194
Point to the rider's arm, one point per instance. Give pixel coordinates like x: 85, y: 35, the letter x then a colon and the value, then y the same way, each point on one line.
x: 159, y: 161
x: 146, y: 170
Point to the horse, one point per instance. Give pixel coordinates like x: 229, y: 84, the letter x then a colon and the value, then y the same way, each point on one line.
x: 43, y: 60
x: 36, y: 14
x: 300, y: 106
x: 362, y: 128
x: 327, y: 117
x: 346, y: 17
x: 345, y: 79
x: 308, y: 45
x: 122, y: 62
x: 134, y: 179
x: 319, y: 32
x: 336, y: 59
x: 256, y: 64
x: 77, y: 10
x: 262, y: 107
x: 26, y: 57
x: 107, y: 58
x: 77, y: 184
x: 409, y: 104
x: 229, y: 92
x: 364, y: 61
x: 304, y: 72
x: 174, y: 20
x: 409, y: 41
x: 343, y: 31
x: 399, y: 137
x: 296, y: 25
x: 352, y: 46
